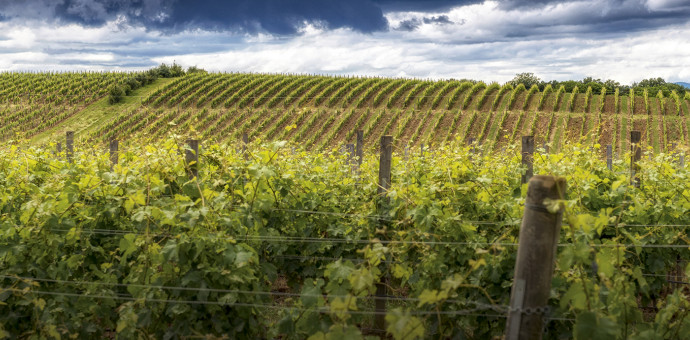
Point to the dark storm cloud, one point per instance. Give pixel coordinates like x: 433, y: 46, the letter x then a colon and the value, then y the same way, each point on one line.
x: 274, y: 16
x: 600, y: 17
x: 413, y: 24
x: 286, y: 17
x: 441, y: 20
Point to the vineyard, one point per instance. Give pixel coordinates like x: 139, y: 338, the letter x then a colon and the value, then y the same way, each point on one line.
x: 325, y: 110
x: 250, y: 206
x: 273, y: 241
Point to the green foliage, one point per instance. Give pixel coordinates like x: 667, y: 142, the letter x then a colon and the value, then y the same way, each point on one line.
x: 542, y: 100
x: 172, y: 71
x: 588, y: 98
x: 475, y: 89
x: 140, y: 250
x: 195, y: 69
x: 662, y: 106
x: 573, y: 97
x: 497, y: 100
x: 534, y: 89
x: 514, y: 95
x: 559, y: 97
x: 489, y: 90
x: 527, y: 79
x: 116, y: 94
x: 617, y: 101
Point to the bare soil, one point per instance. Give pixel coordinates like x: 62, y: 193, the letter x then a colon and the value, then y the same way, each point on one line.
x: 349, y: 125
x: 608, y: 125
x: 410, y: 129
x: 399, y: 102
x: 610, y: 104
x: 548, y: 104
x: 534, y: 101
x: 306, y: 118
x: 520, y: 128
x: 573, y: 129
x: 639, y: 106
x: 486, y: 107
x: 579, y: 103
x: 540, y: 133
x: 519, y: 102
x: 507, y: 129
x: 491, y: 117
x: 670, y: 108
x: 440, y: 135
x: 377, y: 130
x: 459, y: 101
x: 673, y: 129
x: 640, y: 124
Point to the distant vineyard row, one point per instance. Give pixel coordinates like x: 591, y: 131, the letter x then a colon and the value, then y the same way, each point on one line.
x: 323, y: 112
x: 243, y: 90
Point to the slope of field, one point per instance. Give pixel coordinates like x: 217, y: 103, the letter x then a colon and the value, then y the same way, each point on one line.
x: 321, y: 112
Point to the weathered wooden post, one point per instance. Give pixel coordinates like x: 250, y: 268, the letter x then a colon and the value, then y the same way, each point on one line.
x: 69, y: 145
x: 527, y: 157
x: 384, y: 186
x: 635, y: 156
x: 609, y: 157
x: 536, y: 256
x: 350, y: 150
x: 114, y: 146
x: 360, y: 149
x: 192, y: 158
x: 58, y: 148
x: 245, y: 142
x: 681, y: 161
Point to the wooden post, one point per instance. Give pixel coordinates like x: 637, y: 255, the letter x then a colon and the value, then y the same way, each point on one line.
x: 421, y: 149
x: 546, y: 148
x: 536, y: 256
x: 609, y: 157
x: 385, y: 164
x: 360, y: 148
x: 407, y: 152
x: 681, y: 161
x: 350, y: 150
x: 69, y: 145
x: 58, y: 148
x: 245, y: 142
x: 192, y: 157
x: 635, y: 156
x: 473, y: 149
x: 114, y: 146
x: 527, y: 156
x: 384, y: 186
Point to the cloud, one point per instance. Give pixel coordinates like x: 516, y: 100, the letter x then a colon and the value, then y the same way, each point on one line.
x: 623, y: 58
x: 251, y: 16
x: 623, y: 40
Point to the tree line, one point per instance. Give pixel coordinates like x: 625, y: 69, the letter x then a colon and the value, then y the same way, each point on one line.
x: 653, y: 85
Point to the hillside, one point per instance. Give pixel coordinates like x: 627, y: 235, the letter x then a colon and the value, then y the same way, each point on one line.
x: 321, y: 112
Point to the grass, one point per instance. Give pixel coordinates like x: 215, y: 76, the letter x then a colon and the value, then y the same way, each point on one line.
x: 558, y: 135
x: 98, y: 113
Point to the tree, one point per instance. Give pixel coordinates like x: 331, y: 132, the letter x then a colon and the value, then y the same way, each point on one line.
x: 194, y: 69
x: 117, y: 94
x: 528, y: 79
x: 651, y: 82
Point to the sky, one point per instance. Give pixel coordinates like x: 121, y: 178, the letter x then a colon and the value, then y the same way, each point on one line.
x: 623, y: 40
